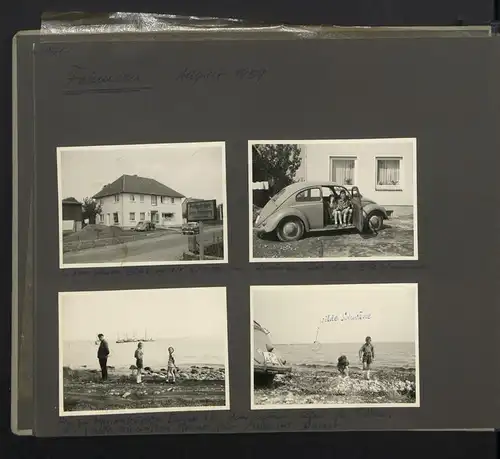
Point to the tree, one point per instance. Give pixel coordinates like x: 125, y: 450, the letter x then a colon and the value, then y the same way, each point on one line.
x: 276, y: 164
x: 91, y: 208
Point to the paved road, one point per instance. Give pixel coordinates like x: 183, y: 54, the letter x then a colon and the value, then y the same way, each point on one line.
x: 169, y: 247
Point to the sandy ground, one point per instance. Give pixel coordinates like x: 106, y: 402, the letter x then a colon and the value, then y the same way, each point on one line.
x: 195, y: 386
x: 395, y: 239
x: 324, y: 386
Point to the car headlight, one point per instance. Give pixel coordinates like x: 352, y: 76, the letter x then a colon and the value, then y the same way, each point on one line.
x: 257, y: 220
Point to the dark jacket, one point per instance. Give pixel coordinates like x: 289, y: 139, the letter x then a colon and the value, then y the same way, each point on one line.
x: 103, y: 350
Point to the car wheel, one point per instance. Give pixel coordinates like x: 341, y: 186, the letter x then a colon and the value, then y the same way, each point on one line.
x: 290, y: 229
x: 374, y: 221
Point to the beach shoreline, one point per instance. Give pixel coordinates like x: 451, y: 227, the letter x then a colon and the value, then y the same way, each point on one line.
x: 323, y: 385
x: 202, y: 386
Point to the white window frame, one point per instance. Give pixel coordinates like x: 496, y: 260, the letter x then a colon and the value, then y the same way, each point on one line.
x: 132, y: 198
x: 131, y: 216
x: 332, y: 158
x: 141, y: 198
x: 117, y: 198
x: 399, y: 186
x: 155, y: 202
x: 172, y: 200
x: 142, y: 216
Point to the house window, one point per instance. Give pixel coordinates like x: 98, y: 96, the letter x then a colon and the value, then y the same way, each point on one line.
x: 117, y: 198
x: 115, y: 218
x: 388, y: 174
x: 132, y: 198
x: 342, y: 170
x: 132, y: 216
x: 172, y: 200
x: 141, y: 198
x: 162, y: 199
x: 167, y: 215
x: 154, y: 200
x: 142, y: 216
x: 311, y: 194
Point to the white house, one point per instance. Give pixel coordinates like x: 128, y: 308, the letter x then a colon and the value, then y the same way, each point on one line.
x: 382, y: 169
x: 131, y: 199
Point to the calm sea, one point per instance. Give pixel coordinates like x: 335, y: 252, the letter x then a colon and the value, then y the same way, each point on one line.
x: 187, y: 352
x: 388, y: 355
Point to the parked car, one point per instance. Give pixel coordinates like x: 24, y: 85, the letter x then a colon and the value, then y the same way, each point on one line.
x: 145, y: 226
x: 303, y: 207
x: 191, y: 228
x: 267, y: 363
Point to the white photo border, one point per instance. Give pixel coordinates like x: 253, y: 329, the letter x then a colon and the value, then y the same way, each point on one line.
x: 414, y: 257
x: 256, y: 407
x: 63, y: 413
x: 125, y: 264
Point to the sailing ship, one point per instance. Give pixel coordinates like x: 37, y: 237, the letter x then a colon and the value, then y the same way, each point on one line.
x: 133, y: 339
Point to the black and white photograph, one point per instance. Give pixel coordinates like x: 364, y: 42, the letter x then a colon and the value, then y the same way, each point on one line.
x: 130, y: 205
x: 134, y: 351
x: 334, y: 346
x: 333, y: 200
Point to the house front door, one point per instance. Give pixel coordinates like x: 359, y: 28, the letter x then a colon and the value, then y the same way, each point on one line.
x: 155, y: 217
x: 108, y: 219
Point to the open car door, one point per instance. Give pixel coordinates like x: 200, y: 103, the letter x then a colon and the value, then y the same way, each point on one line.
x: 357, y: 209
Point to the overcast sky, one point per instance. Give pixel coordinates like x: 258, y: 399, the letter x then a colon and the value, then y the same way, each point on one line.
x: 293, y: 313
x: 165, y: 313
x: 194, y: 171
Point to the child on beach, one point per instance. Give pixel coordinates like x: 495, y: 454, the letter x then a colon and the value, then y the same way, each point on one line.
x: 343, y: 365
x: 334, y: 210
x: 172, y: 367
x: 139, y: 362
x: 367, y: 356
x: 344, y: 206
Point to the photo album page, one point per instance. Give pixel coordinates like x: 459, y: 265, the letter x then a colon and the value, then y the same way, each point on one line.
x: 246, y: 234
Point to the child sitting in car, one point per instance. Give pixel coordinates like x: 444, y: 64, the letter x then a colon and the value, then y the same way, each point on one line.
x: 334, y: 210
x: 344, y: 206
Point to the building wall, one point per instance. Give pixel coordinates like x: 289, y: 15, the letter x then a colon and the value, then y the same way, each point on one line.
x: 367, y: 158
x: 132, y: 211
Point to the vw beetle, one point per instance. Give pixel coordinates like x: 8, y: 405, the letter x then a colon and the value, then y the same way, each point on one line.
x: 303, y: 207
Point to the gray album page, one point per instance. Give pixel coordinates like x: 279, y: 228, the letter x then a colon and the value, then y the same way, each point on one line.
x: 265, y: 235
x: 23, y: 230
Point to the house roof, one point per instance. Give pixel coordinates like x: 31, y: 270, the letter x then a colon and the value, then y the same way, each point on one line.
x: 71, y: 200
x: 139, y: 185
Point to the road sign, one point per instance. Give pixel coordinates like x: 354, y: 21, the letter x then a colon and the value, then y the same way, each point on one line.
x: 201, y: 211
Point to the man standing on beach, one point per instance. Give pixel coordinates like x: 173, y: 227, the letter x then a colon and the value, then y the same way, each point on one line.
x: 367, y: 355
x: 102, y: 356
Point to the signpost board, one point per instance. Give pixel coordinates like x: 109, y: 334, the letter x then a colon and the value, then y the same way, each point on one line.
x: 199, y: 212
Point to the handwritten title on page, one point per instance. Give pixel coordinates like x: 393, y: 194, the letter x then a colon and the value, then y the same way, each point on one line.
x: 196, y: 76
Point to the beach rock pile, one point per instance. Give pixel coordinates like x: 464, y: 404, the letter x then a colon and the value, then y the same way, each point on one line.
x: 194, y: 373
x: 316, y: 386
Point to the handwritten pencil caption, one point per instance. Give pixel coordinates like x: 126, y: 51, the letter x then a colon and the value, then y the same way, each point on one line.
x: 194, y: 76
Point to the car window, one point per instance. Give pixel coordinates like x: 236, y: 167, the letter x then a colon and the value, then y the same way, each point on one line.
x: 309, y: 195
x: 328, y: 191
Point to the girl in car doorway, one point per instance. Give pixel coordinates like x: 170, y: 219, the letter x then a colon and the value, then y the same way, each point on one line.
x: 344, y: 206
x: 334, y: 210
